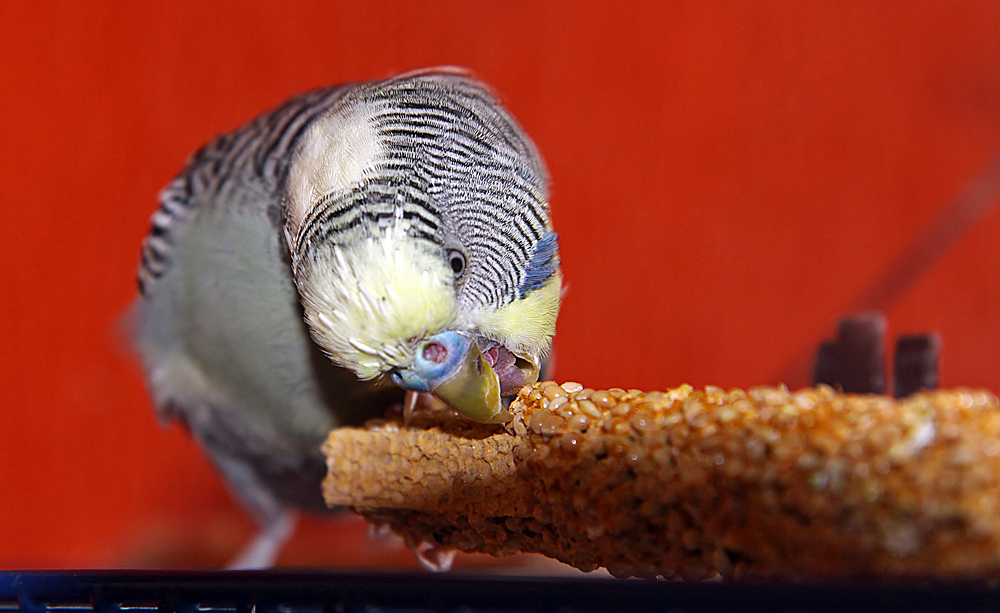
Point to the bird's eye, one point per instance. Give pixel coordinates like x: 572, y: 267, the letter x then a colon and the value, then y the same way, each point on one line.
x: 457, y: 261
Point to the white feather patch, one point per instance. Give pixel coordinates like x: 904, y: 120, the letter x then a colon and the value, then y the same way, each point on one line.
x: 337, y: 152
x: 368, y: 304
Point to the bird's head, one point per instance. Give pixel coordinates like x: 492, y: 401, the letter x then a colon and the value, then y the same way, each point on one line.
x: 421, y: 242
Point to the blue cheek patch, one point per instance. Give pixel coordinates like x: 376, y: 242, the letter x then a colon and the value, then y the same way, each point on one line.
x: 543, y: 264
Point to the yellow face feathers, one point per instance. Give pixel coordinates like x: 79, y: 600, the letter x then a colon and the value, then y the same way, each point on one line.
x: 368, y: 304
x: 525, y: 326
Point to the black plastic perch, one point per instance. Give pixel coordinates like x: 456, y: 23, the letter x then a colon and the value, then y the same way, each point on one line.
x: 855, y: 362
x: 330, y: 592
x: 915, y: 366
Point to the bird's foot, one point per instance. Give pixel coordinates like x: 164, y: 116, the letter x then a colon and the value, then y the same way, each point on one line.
x: 263, y: 550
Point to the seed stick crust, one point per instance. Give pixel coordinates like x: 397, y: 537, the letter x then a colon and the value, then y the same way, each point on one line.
x: 695, y: 483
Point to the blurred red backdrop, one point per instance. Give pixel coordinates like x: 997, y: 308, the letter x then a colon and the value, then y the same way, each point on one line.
x: 726, y: 177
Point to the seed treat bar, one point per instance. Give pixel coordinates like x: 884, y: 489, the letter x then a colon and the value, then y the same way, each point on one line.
x: 694, y: 483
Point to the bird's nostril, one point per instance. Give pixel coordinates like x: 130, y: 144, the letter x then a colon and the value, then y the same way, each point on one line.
x: 435, y: 352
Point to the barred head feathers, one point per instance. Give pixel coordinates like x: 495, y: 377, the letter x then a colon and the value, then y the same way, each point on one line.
x: 392, y: 178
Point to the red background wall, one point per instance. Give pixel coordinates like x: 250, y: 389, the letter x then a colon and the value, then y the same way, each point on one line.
x: 727, y: 176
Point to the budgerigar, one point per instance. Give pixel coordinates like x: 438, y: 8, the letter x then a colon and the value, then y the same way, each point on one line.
x: 355, y: 237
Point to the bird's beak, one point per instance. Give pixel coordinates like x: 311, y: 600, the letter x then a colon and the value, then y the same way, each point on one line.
x: 474, y: 389
x: 529, y: 365
x: 451, y: 366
